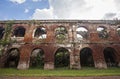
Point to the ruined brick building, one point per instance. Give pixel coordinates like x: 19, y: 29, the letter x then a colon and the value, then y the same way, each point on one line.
x: 96, y: 42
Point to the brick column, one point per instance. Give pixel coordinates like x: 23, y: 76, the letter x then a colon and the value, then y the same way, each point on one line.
x: 49, y: 57
x: 24, y: 60
x: 98, y: 57
x: 74, y: 59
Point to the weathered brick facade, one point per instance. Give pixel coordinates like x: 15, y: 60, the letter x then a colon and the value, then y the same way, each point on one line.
x: 49, y: 45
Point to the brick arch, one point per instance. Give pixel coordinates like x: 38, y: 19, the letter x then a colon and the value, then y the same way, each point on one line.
x: 33, y: 47
x: 65, y: 61
x: 81, y: 33
x: 102, y: 26
x: 19, y: 29
x: 110, y: 55
x: 41, y: 26
x: 58, y: 26
x: 12, y: 49
x: 115, y: 48
x: 55, y: 50
x: 12, y: 58
x: 61, y: 35
x: 35, y: 29
x: 18, y: 25
x: 37, y: 58
x: 104, y: 34
x: 86, y: 26
x: 87, y: 53
x: 83, y: 26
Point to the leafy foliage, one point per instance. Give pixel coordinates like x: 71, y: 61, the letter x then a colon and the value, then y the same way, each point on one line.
x: 62, y: 58
x: 60, y: 33
x: 37, y: 58
x: 8, y: 29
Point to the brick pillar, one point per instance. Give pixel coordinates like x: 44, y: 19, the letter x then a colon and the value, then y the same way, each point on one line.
x: 118, y: 64
x: 117, y: 48
x: 98, y: 57
x: 49, y: 57
x: 100, y: 65
x: 74, y: 59
x: 71, y: 59
x: 49, y: 65
x: 24, y: 60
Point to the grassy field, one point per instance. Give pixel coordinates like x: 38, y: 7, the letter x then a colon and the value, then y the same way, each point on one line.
x: 60, y: 72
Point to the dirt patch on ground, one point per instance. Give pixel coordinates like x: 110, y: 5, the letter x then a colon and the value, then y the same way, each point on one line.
x: 100, y: 77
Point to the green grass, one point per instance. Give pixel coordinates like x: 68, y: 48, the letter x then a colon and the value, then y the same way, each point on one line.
x: 60, y: 72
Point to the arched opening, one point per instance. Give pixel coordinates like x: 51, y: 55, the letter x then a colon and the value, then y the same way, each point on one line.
x: 40, y: 33
x: 102, y: 32
x: 12, y: 58
x: 86, y: 58
x: 1, y: 32
x: 82, y: 33
x: 62, y: 58
x: 118, y: 30
x: 37, y: 58
x: 19, y: 32
x: 110, y: 57
x: 61, y: 33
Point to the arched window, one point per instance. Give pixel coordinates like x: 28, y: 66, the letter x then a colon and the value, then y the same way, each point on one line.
x: 1, y: 32
x: 82, y: 33
x: 40, y: 33
x: 62, y: 58
x: 61, y: 33
x: 102, y: 32
x: 118, y: 30
x: 19, y: 32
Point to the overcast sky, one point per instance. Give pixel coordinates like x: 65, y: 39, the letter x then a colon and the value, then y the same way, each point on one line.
x: 59, y: 9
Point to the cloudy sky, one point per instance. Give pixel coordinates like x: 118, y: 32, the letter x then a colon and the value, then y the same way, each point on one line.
x: 59, y: 9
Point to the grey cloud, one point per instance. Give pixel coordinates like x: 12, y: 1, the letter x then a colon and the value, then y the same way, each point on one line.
x: 110, y: 15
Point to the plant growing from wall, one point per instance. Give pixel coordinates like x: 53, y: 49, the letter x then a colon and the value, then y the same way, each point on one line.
x: 8, y: 28
x: 61, y: 34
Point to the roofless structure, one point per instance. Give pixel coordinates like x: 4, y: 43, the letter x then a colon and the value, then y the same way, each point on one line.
x: 93, y: 43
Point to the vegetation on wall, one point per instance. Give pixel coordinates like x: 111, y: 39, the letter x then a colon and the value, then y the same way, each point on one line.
x: 8, y: 29
x: 61, y: 34
x: 6, y: 37
x: 37, y: 59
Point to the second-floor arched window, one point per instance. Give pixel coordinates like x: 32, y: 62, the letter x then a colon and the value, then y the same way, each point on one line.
x: 61, y: 33
x: 82, y: 33
x: 102, y: 32
x: 19, y: 31
x: 40, y: 33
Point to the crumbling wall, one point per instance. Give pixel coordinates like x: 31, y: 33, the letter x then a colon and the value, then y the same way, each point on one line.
x: 71, y: 42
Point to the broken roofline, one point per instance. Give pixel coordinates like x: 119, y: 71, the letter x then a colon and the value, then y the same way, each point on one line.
x: 65, y: 21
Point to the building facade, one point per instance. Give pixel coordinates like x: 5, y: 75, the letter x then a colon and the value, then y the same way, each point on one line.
x: 88, y: 42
